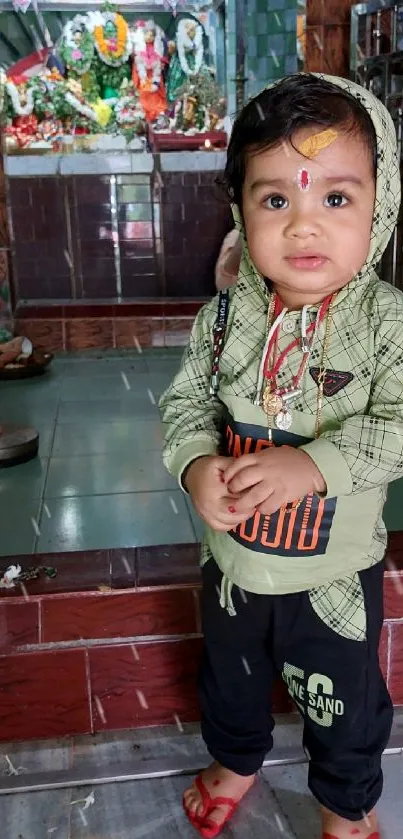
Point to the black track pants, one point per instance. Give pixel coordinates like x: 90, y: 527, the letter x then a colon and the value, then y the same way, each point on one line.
x: 336, y: 683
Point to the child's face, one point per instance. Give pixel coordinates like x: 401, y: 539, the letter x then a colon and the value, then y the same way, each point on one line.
x: 308, y: 221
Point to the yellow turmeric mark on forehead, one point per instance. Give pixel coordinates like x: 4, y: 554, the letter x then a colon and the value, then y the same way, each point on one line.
x: 313, y: 145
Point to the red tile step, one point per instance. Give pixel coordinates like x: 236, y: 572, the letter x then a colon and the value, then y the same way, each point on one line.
x: 114, y: 641
x: 127, y: 324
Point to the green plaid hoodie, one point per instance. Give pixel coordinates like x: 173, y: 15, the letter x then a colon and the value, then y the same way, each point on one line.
x: 322, y: 546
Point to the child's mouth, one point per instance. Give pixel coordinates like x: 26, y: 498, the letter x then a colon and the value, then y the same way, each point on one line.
x: 306, y: 262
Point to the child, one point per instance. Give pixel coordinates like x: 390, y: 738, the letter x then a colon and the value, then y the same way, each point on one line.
x: 289, y: 461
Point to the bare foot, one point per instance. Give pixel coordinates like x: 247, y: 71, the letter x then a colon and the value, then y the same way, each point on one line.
x: 334, y: 827
x: 219, y: 782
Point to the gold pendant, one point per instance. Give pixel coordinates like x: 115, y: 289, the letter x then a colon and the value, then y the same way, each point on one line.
x: 272, y: 402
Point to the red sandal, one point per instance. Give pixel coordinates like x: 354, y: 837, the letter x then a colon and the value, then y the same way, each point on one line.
x: 330, y: 836
x: 207, y: 827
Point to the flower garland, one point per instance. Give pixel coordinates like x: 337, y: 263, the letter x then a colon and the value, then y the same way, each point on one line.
x: 77, y: 57
x: 81, y: 107
x: 128, y: 111
x: 74, y: 96
x: 19, y: 109
x: 142, y: 65
x: 3, y: 79
x: 111, y: 51
x: 143, y: 59
x: 185, y: 43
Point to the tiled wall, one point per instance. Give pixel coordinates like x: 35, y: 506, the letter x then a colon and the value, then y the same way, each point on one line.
x: 106, y: 326
x: 328, y: 36
x: 114, y: 641
x: 80, y: 658
x: 41, y: 250
x: 195, y: 219
x: 5, y: 303
x: 271, y: 42
x: 162, y: 242
x: 230, y: 46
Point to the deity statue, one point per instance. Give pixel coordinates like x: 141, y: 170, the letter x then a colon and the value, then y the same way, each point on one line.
x: 19, y: 97
x: 76, y: 47
x: 128, y: 111
x: 111, y: 35
x: 113, y: 46
x: 199, y: 106
x: 147, y: 71
x: 187, y: 60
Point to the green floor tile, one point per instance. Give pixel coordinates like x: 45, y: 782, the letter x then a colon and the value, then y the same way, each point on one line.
x: 103, y: 433
x: 198, y: 524
x: 167, y: 366
x: 166, y: 353
x: 115, y: 521
x: 107, y: 474
x: 30, y: 393
x: 393, y: 512
x: 84, y: 368
x: 27, y: 411
x: 101, y: 437
x: 17, y: 526
x: 159, y: 382
x: 26, y: 480
x: 46, y: 386
x: 107, y: 410
x: 46, y: 433
x: 121, y: 385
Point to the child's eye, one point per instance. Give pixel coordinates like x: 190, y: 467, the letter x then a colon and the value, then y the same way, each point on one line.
x: 276, y: 202
x: 336, y: 199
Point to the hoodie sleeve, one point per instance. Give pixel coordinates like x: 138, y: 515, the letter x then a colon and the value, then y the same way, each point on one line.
x: 367, y: 451
x: 191, y: 417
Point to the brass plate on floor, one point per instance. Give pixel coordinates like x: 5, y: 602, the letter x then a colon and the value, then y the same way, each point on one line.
x: 18, y: 444
x: 36, y: 367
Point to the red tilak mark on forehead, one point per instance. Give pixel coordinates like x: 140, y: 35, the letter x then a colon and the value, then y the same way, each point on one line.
x: 304, y: 179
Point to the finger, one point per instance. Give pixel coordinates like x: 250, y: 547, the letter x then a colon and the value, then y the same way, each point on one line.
x: 225, y: 527
x: 237, y: 520
x: 226, y: 516
x: 253, y: 498
x: 249, y: 477
x: 219, y: 527
x: 237, y: 465
x: 223, y: 463
x: 272, y: 504
x: 220, y: 466
x: 232, y: 519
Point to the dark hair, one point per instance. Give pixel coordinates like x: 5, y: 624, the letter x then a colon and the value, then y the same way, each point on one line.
x: 277, y: 113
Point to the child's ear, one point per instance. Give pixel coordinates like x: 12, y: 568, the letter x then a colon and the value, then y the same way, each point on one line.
x: 229, y: 260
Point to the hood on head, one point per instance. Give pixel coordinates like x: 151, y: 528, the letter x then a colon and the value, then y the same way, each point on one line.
x: 387, y: 195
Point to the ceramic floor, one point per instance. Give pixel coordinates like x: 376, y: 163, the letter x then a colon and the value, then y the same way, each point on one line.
x: 99, y: 481
x: 279, y: 807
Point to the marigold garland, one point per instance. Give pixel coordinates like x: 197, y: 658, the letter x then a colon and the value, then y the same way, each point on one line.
x: 122, y: 50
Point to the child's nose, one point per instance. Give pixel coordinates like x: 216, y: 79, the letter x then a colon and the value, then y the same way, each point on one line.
x: 302, y: 224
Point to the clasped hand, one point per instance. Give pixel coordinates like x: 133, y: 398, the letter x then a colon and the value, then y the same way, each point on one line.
x: 227, y: 491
